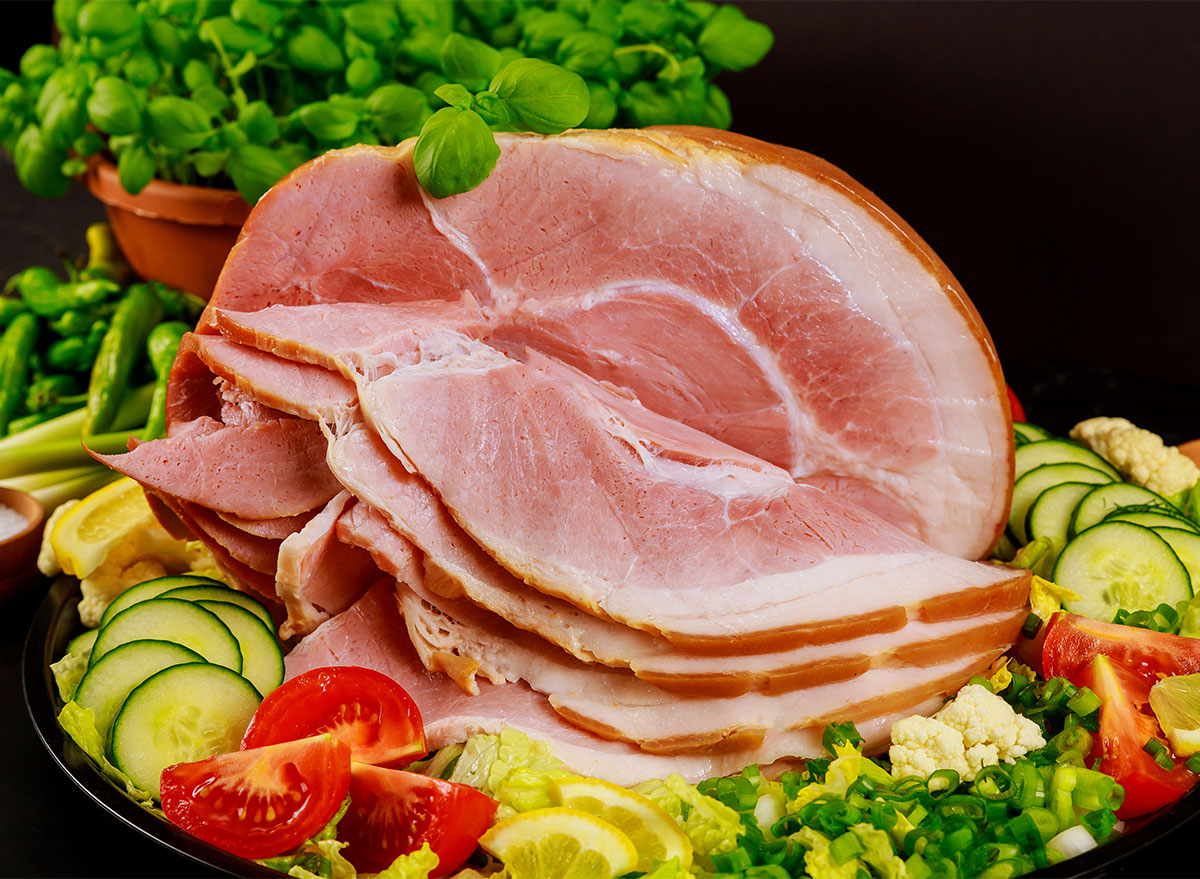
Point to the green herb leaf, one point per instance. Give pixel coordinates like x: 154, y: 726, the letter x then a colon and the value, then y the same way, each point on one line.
x: 732, y: 41
x: 397, y: 110
x: 545, y: 30
x: 423, y: 46
x: 328, y: 122
x: 108, y: 20
x: 212, y: 99
x: 313, y: 50
x: 470, y: 62
x: 362, y: 74
x: 374, y: 21
x: 177, y: 122
x: 544, y: 97
x: 490, y: 13
x: 455, y: 95
x: 428, y: 13
x: 647, y: 19
x: 39, y: 61
x: 38, y: 164
x: 259, y: 123
x: 165, y: 40
x: 197, y: 74
x: 255, y: 169
x: 492, y: 110
x: 255, y: 13
x: 66, y: 16
x: 141, y: 69
x: 455, y: 152
x: 234, y: 38
x: 135, y: 168
x: 602, y: 106
x: 113, y: 107
x: 717, y: 112
x: 605, y: 17
x: 588, y: 53
x: 210, y: 163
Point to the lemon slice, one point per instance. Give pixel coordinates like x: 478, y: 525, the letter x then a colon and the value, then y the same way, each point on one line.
x: 1176, y: 704
x: 88, y: 532
x: 653, y: 832
x: 560, y: 843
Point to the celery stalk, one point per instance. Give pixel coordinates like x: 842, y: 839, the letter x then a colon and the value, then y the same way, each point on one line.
x: 61, y: 492
x: 134, y: 409
x: 57, y: 454
x: 34, y: 481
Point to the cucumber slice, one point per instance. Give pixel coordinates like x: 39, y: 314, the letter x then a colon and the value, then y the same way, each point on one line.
x: 223, y: 593
x: 83, y: 643
x: 107, y: 683
x: 1057, y: 451
x: 1119, y: 565
x: 262, y: 660
x: 1050, y: 517
x: 1150, y: 518
x: 1099, y: 503
x: 169, y: 619
x: 152, y: 589
x: 180, y: 714
x: 1187, y: 546
x: 1030, y: 433
x: 1033, y: 483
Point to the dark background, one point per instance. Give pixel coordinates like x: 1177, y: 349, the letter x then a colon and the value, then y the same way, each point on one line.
x: 1046, y: 151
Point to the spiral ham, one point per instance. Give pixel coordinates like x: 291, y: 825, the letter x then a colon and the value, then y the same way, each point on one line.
x: 666, y: 446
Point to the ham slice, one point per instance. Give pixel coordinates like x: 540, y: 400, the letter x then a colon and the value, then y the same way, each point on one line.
x: 754, y: 292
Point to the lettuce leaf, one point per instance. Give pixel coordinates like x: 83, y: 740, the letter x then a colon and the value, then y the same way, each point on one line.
x: 712, y: 826
x: 415, y: 865
x: 69, y: 671
x: 320, y: 857
x: 80, y: 724
x: 511, y: 768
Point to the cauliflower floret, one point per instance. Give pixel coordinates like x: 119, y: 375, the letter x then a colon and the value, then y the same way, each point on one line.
x: 1140, y: 455
x: 975, y: 729
x: 922, y: 745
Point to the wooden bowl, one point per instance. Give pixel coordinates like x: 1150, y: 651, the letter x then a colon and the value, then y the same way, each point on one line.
x: 18, y: 552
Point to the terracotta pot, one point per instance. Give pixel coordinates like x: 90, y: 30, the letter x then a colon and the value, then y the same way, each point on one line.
x: 170, y: 232
x: 18, y: 552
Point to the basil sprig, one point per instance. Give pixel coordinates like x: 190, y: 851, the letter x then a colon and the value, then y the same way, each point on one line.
x: 239, y: 92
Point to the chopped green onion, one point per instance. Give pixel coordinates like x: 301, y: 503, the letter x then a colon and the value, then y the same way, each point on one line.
x: 1033, y: 623
x: 1047, y: 822
x: 1193, y: 763
x: 735, y: 861
x: 1083, y: 702
x: 845, y: 733
x: 942, y: 782
x: 994, y: 783
x: 961, y: 805
x: 845, y: 848
x: 981, y: 682
x: 1160, y: 753
x: 1026, y: 832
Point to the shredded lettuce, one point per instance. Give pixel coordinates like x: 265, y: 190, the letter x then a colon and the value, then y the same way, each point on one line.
x: 712, y: 826
x: 511, y: 768
x: 69, y: 671
x: 80, y: 724
x: 320, y: 857
x: 415, y: 865
x: 876, y: 858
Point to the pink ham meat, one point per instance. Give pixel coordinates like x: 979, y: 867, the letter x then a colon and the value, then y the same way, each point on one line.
x: 372, y: 634
x: 753, y: 292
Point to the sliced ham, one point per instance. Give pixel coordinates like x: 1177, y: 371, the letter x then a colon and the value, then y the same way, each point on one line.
x: 752, y: 291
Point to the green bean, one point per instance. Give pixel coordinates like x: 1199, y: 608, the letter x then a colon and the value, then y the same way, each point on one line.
x: 16, y: 349
x: 9, y: 309
x: 162, y: 346
x: 136, y: 314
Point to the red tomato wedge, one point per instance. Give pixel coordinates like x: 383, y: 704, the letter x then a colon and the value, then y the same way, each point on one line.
x: 262, y: 802
x: 1014, y: 405
x: 367, y: 710
x: 392, y: 812
x: 1126, y: 724
x: 1072, y: 641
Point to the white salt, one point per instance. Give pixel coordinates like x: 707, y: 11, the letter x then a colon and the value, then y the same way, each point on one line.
x: 11, y: 522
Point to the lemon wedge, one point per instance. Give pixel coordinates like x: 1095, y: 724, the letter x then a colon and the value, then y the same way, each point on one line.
x: 1176, y: 704
x: 560, y: 843
x: 653, y: 832
x: 84, y: 536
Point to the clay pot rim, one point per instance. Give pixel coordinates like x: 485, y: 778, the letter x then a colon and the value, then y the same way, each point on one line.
x: 195, y: 205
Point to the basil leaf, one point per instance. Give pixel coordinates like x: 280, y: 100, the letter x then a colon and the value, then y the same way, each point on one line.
x: 328, y: 122
x: 397, y: 110
x: 605, y: 17
x: 455, y: 152
x: 377, y: 22
x: 429, y: 81
x: 312, y: 50
x: 141, y: 69
x: 545, y: 30
x: 135, y: 168
x: 211, y: 99
x: 717, y: 112
x: 210, y: 163
x: 588, y: 53
x: 65, y: 119
x: 38, y: 163
x: 648, y: 104
x: 38, y: 62
x: 489, y: 13
x: 259, y: 15
x: 455, y: 95
x: 88, y: 144
x: 197, y: 74
x: 602, y: 106
x: 66, y: 16
x: 469, y: 62
x: 108, y: 20
x: 255, y: 169
x: 73, y: 167
x: 647, y: 20
x: 113, y: 107
x: 492, y: 110
x: 362, y: 74
x: 544, y: 97
x: 732, y: 41
x: 234, y: 38
x: 423, y: 46
x: 428, y: 13
x: 259, y: 123
x: 165, y: 40
x: 177, y: 122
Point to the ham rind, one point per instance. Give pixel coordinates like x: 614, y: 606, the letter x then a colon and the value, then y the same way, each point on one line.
x: 317, y: 574
x: 372, y: 634
x: 649, y: 536
x: 754, y: 292
x: 260, y: 471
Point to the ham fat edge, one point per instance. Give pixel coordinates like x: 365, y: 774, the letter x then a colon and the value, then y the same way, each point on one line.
x: 667, y: 447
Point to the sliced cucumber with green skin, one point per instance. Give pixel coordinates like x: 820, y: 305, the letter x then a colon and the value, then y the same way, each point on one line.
x: 1107, y: 498
x: 152, y: 589
x: 1031, y: 484
x: 1187, y: 546
x: 1050, y: 517
x: 83, y: 643
x: 223, y: 593
x: 1057, y: 451
x: 1030, y: 433
x: 262, y: 659
x: 169, y: 619
x: 181, y: 714
x: 1119, y: 565
x: 1149, y: 518
x: 108, y: 682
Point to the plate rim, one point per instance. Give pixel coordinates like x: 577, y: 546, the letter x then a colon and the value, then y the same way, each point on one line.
x: 50, y: 631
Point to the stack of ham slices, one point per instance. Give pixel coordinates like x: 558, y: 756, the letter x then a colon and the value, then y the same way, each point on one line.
x: 667, y: 447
